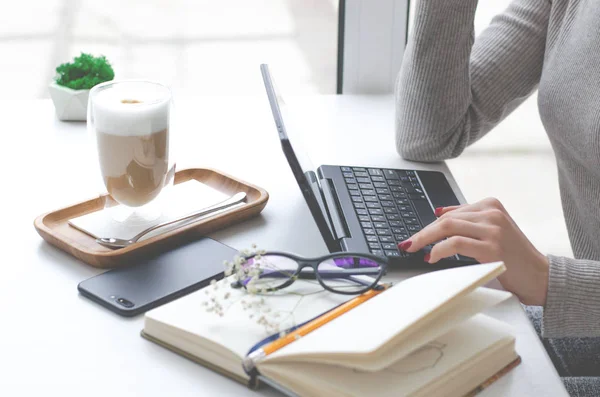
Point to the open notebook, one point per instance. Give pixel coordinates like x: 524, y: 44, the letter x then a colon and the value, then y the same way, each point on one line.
x: 424, y: 336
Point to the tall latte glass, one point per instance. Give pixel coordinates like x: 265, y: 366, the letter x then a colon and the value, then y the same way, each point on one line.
x: 130, y: 125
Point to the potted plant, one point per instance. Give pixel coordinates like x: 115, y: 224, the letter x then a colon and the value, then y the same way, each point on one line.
x: 71, y: 87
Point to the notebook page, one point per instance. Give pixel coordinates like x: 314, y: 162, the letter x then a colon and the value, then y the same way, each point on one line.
x: 235, y: 330
x: 431, y: 328
x: 408, y: 375
x: 372, y: 324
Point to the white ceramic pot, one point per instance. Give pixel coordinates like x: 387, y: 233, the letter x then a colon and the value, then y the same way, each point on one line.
x: 69, y: 104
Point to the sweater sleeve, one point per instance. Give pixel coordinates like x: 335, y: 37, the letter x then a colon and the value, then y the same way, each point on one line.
x: 573, y: 300
x: 452, y: 89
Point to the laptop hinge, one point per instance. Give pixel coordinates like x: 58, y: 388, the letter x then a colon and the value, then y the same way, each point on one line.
x: 340, y: 228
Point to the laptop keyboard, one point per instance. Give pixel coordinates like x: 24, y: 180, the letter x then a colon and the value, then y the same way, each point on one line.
x: 390, y: 204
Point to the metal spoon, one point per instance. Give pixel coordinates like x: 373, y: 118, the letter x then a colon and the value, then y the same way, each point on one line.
x: 116, y: 243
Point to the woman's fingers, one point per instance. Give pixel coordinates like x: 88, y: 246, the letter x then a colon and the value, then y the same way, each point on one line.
x: 441, y: 229
x: 439, y: 211
x: 482, y: 205
x: 459, y: 245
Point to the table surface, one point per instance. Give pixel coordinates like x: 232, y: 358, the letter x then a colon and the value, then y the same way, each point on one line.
x: 55, y: 342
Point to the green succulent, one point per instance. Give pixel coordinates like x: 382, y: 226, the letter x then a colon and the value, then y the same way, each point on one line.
x: 84, y: 72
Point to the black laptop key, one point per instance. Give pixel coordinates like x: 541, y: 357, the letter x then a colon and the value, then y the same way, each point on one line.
x: 360, y: 174
x: 354, y: 193
x: 398, y: 230
x: 379, y: 225
x: 389, y: 246
x: 372, y: 239
x: 365, y: 186
x: 385, y: 197
x: 345, y: 169
x: 391, y: 253
x: 378, y: 218
x: 401, y: 237
x: 369, y: 231
x: 402, y: 202
x: 374, y: 246
x: 364, y: 218
x: 404, y: 208
x: 357, y: 199
x: 383, y: 232
x: 371, y: 198
x: 386, y: 239
x: 416, y: 197
x: 390, y: 174
x: 404, y: 179
x: 361, y: 211
x: 393, y: 217
x: 377, y: 252
x: 379, y: 184
x: 368, y: 192
x: 367, y: 225
x: 371, y: 204
x: 394, y: 182
x: 359, y: 169
x: 348, y: 175
x: 374, y: 171
x: 363, y: 180
x: 407, y: 214
x: 411, y: 221
x: 383, y: 190
x: 396, y: 224
x: 375, y: 211
x: 390, y: 210
x: 378, y: 179
x: 396, y: 188
x: 359, y: 205
x: 352, y: 186
x: 466, y: 258
x: 424, y: 211
x: 388, y: 204
x: 399, y: 195
x: 350, y: 180
x: 413, y: 228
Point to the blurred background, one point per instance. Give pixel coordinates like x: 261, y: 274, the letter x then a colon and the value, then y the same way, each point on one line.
x: 207, y: 47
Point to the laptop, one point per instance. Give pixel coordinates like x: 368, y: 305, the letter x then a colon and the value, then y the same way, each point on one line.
x: 365, y: 209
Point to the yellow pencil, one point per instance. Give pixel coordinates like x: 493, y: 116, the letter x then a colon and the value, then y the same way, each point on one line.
x: 272, y: 347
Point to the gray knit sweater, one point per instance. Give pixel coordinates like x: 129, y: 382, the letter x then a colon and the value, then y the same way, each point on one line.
x: 453, y: 89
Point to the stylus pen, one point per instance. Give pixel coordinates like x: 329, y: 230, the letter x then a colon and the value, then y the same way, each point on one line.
x: 251, y: 359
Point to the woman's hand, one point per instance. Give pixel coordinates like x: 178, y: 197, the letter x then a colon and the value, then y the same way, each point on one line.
x: 486, y: 232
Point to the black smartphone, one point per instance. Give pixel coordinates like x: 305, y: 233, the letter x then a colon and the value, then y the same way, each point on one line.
x: 135, y: 289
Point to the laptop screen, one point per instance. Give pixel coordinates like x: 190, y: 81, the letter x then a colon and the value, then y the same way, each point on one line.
x: 299, y: 162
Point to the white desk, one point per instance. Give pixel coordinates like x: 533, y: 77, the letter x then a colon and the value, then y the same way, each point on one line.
x: 54, y: 342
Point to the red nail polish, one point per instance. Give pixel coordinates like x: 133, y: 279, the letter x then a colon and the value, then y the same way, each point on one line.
x: 438, y: 211
x: 405, y: 245
x: 427, y: 257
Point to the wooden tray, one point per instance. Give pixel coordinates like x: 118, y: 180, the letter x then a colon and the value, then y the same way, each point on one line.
x: 54, y: 227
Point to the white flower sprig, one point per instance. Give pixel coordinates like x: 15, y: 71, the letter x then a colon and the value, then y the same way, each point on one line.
x: 241, y: 271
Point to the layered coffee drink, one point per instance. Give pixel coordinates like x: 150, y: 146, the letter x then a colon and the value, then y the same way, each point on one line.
x: 131, y: 125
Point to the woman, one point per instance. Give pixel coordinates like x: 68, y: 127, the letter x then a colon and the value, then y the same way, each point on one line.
x: 453, y: 89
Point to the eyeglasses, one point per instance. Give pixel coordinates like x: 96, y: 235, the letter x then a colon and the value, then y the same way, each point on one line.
x: 341, y: 273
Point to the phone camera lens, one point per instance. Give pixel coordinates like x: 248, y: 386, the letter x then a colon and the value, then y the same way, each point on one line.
x: 124, y: 302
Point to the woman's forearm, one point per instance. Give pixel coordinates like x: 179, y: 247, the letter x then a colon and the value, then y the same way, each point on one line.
x: 451, y: 90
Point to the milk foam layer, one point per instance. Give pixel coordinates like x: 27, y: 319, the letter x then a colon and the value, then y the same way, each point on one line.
x: 113, y: 113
